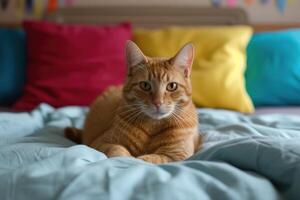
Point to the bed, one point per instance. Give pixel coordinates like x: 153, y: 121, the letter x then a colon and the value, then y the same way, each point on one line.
x: 253, y: 156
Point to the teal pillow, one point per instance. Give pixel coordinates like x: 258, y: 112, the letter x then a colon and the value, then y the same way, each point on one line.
x: 12, y: 64
x: 273, y: 68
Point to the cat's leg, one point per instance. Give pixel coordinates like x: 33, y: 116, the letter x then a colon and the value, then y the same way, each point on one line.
x: 164, y: 156
x: 179, y: 145
x: 155, y: 158
x: 112, y: 150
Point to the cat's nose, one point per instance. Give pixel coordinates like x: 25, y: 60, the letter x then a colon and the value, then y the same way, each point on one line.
x: 157, y: 103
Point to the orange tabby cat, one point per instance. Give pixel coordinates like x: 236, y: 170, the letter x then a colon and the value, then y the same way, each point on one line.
x: 152, y: 117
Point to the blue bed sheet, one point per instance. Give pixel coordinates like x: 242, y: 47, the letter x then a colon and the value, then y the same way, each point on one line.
x: 243, y: 157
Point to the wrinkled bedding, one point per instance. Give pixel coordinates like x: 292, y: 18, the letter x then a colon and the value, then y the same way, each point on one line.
x: 294, y: 110
x: 243, y: 157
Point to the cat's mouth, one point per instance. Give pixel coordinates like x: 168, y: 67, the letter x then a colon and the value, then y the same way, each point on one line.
x: 158, y: 114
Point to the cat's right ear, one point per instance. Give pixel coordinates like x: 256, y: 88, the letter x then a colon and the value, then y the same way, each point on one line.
x: 134, y: 55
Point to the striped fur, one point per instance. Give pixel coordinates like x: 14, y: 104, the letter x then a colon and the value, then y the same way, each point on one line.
x: 119, y: 123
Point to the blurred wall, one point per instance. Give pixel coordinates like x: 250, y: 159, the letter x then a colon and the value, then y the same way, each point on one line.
x: 257, y: 13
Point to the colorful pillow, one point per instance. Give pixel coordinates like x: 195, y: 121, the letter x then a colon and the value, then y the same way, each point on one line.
x: 273, y: 68
x: 72, y: 64
x: 12, y: 65
x: 218, y: 69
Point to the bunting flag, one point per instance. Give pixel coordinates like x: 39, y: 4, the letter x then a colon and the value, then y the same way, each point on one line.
x: 264, y: 1
x: 231, y: 3
x: 52, y: 5
x: 280, y: 4
x: 216, y: 3
x: 20, y: 8
x: 34, y: 8
x: 69, y: 2
x: 39, y: 8
x: 290, y: 2
x: 29, y: 6
x: 249, y: 2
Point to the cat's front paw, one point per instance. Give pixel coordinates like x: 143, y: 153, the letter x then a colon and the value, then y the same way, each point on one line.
x: 155, y: 158
x: 114, y: 150
x: 117, y: 154
x: 147, y: 158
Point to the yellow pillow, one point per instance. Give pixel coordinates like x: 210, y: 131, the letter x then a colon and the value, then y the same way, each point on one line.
x: 219, y: 65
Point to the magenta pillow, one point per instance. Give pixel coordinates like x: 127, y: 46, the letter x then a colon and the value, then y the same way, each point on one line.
x: 72, y: 64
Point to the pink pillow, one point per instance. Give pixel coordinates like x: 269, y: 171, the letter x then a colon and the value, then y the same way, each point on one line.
x: 72, y: 64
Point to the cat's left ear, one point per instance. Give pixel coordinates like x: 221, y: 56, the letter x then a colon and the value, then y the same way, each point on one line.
x: 183, y: 60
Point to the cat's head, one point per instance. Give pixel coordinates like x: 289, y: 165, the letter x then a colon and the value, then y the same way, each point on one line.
x: 158, y: 87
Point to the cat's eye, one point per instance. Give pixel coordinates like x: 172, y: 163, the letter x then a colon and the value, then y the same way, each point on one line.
x: 172, y: 86
x: 144, y: 85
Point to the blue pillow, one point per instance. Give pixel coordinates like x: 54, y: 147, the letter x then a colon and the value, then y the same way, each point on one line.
x: 273, y: 68
x: 12, y: 64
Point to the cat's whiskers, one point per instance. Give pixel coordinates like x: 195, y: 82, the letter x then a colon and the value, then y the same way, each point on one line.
x: 187, y: 116
x: 124, y: 124
x: 127, y: 108
x: 137, y: 116
x: 135, y: 110
x: 117, y: 111
x: 126, y: 113
x: 141, y: 120
x: 133, y: 117
x: 175, y: 118
x: 181, y: 120
x: 182, y: 123
x: 129, y: 115
x: 187, y: 113
x: 130, y: 105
